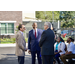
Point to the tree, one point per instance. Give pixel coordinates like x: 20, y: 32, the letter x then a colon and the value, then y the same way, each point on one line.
x: 67, y: 18
x: 47, y: 15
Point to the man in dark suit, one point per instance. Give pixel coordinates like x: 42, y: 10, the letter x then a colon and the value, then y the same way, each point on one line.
x: 47, y: 44
x: 33, y: 43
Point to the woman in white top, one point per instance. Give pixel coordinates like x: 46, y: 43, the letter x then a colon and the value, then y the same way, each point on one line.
x: 59, y: 48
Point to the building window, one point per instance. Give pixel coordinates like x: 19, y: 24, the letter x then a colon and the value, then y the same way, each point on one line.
x: 7, y: 28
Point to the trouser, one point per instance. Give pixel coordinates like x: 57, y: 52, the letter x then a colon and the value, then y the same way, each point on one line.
x: 64, y: 57
x: 21, y: 59
x: 47, y: 59
x: 33, y: 54
x: 57, y: 57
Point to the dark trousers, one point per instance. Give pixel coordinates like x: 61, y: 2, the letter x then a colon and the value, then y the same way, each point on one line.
x: 64, y: 57
x: 47, y: 59
x: 33, y: 53
x: 21, y: 59
x: 57, y: 57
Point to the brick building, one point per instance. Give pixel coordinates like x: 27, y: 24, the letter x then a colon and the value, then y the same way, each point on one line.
x: 8, y: 22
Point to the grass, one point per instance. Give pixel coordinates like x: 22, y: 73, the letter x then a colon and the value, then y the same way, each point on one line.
x: 65, y: 39
x: 10, y: 41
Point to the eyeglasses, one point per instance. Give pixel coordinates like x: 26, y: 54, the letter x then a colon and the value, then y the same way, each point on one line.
x: 23, y: 27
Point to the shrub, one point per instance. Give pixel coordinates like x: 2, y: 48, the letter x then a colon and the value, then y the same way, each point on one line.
x: 26, y: 39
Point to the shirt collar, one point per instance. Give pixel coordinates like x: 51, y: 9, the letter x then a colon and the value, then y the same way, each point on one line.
x: 21, y: 32
x: 34, y: 29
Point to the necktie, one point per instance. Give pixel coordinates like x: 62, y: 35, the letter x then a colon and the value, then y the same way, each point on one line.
x: 35, y: 33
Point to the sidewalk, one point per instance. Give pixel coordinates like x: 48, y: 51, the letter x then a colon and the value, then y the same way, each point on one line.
x: 10, y: 45
x: 14, y: 45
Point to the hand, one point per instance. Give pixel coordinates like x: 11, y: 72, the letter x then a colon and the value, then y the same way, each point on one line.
x: 62, y: 54
x: 60, y: 51
x: 26, y: 49
x: 29, y: 52
x: 56, y: 53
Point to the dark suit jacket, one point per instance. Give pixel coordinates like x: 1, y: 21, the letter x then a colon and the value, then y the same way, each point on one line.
x: 33, y: 43
x: 47, y: 42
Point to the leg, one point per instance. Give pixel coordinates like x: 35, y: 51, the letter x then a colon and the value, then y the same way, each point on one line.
x: 51, y: 57
x: 21, y: 59
x: 44, y: 59
x: 47, y: 59
x: 39, y: 57
x: 57, y: 58
x: 64, y: 57
x: 33, y: 53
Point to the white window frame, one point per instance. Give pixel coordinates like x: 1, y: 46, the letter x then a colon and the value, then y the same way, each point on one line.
x: 7, y: 27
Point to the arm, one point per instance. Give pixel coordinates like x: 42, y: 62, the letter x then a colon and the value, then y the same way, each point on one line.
x: 29, y: 41
x: 62, y: 47
x: 43, y: 38
x: 19, y: 42
x: 70, y: 49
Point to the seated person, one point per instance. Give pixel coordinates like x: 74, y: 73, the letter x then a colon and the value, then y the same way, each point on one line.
x: 70, y: 53
x: 59, y: 48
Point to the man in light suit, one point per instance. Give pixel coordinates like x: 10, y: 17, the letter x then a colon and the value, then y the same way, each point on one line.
x: 20, y: 44
x: 33, y: 43
x: 47, y: 44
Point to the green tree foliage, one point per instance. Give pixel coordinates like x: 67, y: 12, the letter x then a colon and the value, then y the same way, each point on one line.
x: 47, y: 15
x: 67, y: 18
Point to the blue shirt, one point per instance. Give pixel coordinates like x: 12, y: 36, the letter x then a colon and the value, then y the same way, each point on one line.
x: 56, y: 48
x: 21, y: 32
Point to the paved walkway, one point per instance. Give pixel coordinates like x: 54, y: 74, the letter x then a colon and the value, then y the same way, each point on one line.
x: 7, y: 56
x: 10, y: 45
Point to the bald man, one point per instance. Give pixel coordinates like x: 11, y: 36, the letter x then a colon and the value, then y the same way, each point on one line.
x: 33, y: 43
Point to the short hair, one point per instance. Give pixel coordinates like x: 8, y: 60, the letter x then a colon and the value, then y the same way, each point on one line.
x: 20, y: 26
x: 49, y: 24
x: 61, y: 39
x: 71, y: 39
x: 33, y: 23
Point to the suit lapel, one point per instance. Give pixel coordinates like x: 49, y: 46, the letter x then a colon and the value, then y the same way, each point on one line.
x: 37, y: 33
x: 21, y: 35
x: 34, y: 35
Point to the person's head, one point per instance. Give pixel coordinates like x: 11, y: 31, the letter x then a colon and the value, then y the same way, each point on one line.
x: 47, y: 25
x: 59, y: 39
x: 21, y: 27
x: 69, y: 40
x: 34, y: 25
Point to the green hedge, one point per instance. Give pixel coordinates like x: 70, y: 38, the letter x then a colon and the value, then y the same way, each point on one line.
x: 65, y: 39
x: 9, y: 41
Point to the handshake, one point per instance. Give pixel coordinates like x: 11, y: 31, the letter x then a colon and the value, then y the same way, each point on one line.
x: 28, y: 51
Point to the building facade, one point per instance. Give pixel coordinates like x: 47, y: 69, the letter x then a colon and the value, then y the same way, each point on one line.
x: 28, y: 16
x: 8, y: 22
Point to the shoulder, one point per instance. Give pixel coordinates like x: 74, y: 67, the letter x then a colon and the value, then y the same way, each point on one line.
x: 55, y: 43
x: 40, y: 30
x: 30, y: 31
x: 62, y: 43
x: 18, y: 34
x: 71, y: 44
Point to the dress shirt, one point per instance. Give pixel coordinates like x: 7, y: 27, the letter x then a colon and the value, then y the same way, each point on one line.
x: 21, y: 32
x: 61, y: 46
x: 34, y: 32
x: 70, y: 47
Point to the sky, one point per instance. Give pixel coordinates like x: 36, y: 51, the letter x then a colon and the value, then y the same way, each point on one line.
x: 28, y: 11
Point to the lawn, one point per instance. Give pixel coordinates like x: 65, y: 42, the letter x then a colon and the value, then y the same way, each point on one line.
x: 10, y: 41
x: 65, y: 39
